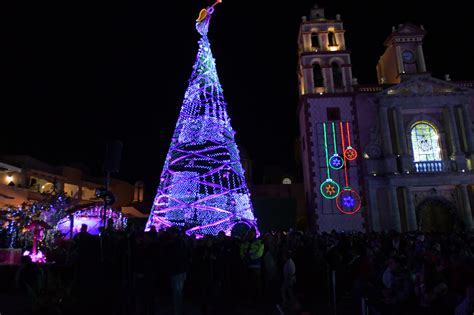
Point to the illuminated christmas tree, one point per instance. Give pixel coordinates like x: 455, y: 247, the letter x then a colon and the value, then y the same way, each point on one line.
x: 202, y: 187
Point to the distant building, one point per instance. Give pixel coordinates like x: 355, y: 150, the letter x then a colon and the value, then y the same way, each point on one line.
x: 23, y: 178
x: 278, y: 201
x: 413, y: 134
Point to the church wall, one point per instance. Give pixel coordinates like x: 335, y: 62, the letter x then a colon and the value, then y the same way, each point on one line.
x: 367, y: 115
x: 389, y: 70
x: 390, y: 184
x: 307, y: 154
x: 329, y: 217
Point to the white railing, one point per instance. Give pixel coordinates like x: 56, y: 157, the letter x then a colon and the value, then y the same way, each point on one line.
x: 369, y: 89
x: 467, y: 84
x: 432, y: 166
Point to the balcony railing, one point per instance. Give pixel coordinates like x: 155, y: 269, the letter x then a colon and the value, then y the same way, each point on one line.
x: 369, y: 88
x: 432, y: 166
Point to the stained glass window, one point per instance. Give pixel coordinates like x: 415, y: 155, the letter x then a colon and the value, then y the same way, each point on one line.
x: 425, y: 142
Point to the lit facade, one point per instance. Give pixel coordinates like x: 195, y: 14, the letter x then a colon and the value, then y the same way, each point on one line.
x: 413, y: 134
x: 23, y: 178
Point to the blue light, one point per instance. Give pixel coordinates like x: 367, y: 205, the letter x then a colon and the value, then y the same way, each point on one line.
x: 336, y: 162
x: 348, y: 201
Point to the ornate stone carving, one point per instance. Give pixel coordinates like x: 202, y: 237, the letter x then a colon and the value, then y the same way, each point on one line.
x: 424, y: 86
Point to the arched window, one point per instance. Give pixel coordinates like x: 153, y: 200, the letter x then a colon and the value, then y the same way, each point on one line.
x: 318, y: 76
x: 425, y: 142
x: 332, y: 39
x: 314, y: 40
x: 336, y: 75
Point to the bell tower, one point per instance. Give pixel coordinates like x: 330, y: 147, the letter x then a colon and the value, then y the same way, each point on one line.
x: 404, y: 54
x: 324, y: 61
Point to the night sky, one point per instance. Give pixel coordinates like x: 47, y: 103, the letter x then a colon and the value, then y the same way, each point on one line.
x: 79, y: 73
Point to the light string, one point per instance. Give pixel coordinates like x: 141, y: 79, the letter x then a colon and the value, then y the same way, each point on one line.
x: 345, y: 162
x: 349, y: 153
x: 348, y: 135
x: 202, y: 187
x: 336, y: 162
x: 326, y: 150
x: 348, y: 200
x: 329, y: 188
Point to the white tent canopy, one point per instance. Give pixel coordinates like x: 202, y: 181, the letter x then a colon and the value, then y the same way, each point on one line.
x: 133, y: 212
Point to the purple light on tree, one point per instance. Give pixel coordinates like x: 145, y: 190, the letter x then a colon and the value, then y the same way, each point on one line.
x: 202, y: 186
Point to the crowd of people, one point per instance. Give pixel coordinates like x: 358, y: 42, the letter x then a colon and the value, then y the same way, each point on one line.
x: 168, y: 272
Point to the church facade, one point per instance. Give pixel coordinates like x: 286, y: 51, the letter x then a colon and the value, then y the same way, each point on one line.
x: 397, y: 155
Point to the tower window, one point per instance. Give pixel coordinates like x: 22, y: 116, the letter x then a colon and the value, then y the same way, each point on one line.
x: 332, y: 39
x: 337, y: 75
x: 314, y: 40
x: 318, y: 76
x: 425, y: 142
x: 333, y: 113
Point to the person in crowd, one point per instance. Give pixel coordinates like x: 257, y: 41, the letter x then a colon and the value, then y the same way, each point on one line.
x: 289, y: 279
x: 398, y: 273
x: 28, y: 277
x: 251, y: 252
x: 178, y: 266
x: 466, y: 307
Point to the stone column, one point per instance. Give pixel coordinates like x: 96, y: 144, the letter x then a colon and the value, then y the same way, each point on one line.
x: 79, y: 193
x: 306, y: 41
x: 308, y: 79
x: 395, y: 222
x: 399, y: 59
x: 323, y: 40
x: 411, y: 212
x: 347, y: 77
x: 328, y: 82
x: 420, y: 59
x: 374, y: 209
x: 467, y: 120
x: 340, y: 39
x: 402, y: 137
x: 454, y: 138
x: 390, y: 162
x: 453, y: 131
x: 23, y: 180
x: 387, y: 141
x: 407, y: 161
x: 59, y: 185
x: 467, y: 214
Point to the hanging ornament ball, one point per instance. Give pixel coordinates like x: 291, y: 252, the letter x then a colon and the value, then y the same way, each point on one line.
x: 348, y: 201
x: 336, y: 162
x: 329, y: 189
x: 350, y: 153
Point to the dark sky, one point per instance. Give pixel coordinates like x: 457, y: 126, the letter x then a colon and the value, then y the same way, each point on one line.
x: 80, y: 72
